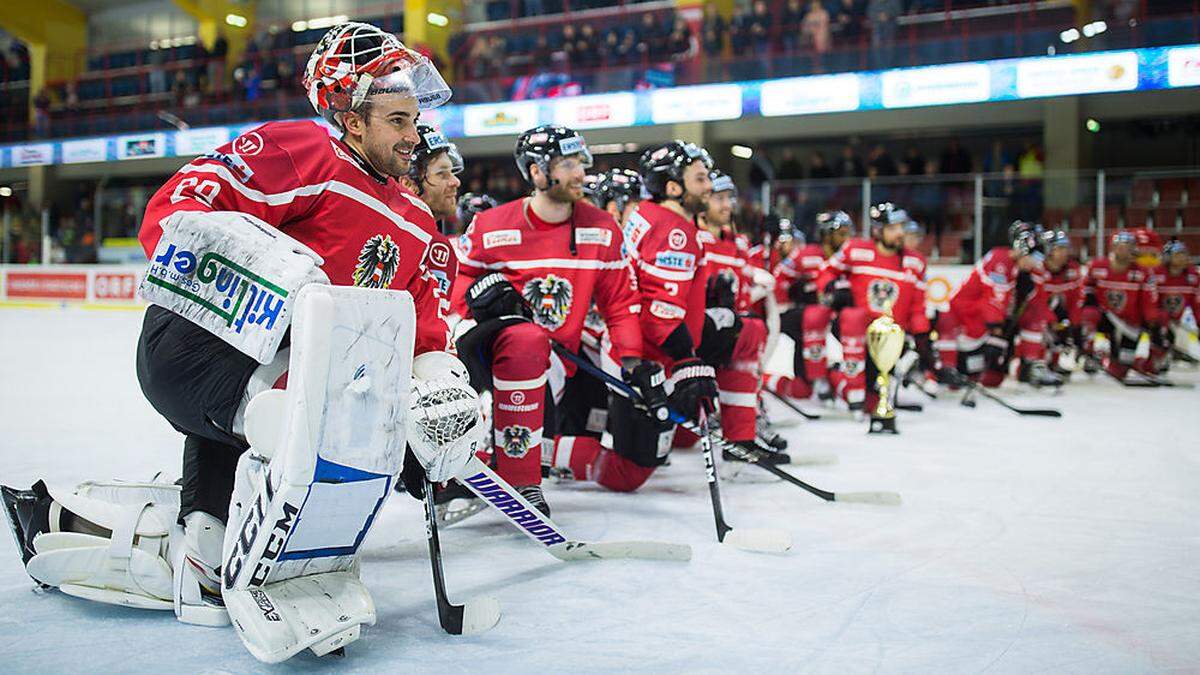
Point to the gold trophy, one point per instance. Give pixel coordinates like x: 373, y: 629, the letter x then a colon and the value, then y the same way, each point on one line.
x: 885, y: 341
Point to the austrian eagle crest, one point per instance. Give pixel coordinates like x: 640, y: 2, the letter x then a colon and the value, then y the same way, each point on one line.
x: 377, y: 262
x: 550, y: 299
x: 517, y: 440
x: 881, y: 295
x: 1115, y: 299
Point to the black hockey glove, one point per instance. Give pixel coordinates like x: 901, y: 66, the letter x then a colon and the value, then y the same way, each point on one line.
x: 412, y: 476
x: 721, y: 329
x: 925, y: 355
x: 802, y: 292
x: 649, y: 379
x: 838, y: 295
x: 994, y: 346
x: 493, y: 296
x: 695, y: 385
x: 1024, y: 287
x: 720, y: 290
x: 1161, y: 336
x: 951, y: 376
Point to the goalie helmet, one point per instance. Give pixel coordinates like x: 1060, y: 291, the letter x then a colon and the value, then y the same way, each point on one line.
x: 431, y: 144
x: 354, y: 61
x: 666, y: 163
x: 541, y: 145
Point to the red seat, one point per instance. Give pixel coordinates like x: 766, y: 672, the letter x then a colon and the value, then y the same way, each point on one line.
x: 1136, y: 217
x: 1192, y: 241
x: 951, y: 246
x: 1142, y: 192
x: 1191, y: 215
x: 1081, y: 217
x: 1054, y: 218
x: 1170, y: 190
x: 1166, y: 219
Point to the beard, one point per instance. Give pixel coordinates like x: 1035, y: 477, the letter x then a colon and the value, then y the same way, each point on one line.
x: 393, y: 161
x: 694, y: 204
x: 565, y: 193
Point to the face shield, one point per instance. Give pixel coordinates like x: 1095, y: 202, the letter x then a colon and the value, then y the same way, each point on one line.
x: 411, y: 74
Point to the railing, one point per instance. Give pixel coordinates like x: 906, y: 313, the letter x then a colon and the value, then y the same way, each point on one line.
x: 967, y: 214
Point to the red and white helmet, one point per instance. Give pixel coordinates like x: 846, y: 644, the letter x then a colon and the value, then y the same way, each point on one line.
x: 356, y: 60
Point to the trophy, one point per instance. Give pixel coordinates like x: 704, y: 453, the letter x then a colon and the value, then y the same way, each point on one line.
x: 885, y: 341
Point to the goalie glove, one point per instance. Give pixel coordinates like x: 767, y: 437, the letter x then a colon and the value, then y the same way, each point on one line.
x: 442, y: 416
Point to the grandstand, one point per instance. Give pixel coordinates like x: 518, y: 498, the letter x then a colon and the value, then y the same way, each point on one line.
x: 1080, y: 115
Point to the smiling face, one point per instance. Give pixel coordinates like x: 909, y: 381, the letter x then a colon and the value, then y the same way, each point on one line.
x: 565, y: 182
x: 441, y: 185
x: 720, y: 209
x: 384, y: 131
x: 696, y: 189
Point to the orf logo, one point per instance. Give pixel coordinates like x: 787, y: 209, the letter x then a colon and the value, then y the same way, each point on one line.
x: 439, y: 254
x: 517, y: 397
x: 677, y: 239
x: 248, y: 145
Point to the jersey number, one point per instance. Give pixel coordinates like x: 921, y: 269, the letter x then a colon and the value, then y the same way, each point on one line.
x: 202, y: 191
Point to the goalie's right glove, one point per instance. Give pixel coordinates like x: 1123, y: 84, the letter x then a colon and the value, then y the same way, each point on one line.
x: 491, y: 296
x: 443, y: 412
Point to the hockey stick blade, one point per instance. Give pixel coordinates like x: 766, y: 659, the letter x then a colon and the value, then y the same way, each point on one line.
x: 758, y: 540
x: 474, y: 616
x: 815, y: 459
x: 479, y: 615
x: 1034, y: 412
x: 614, y: 550
x: 885, y: 498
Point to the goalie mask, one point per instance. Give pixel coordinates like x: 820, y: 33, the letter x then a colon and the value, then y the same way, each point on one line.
x: 354, y: 61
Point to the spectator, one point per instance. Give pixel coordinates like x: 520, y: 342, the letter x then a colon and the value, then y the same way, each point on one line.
x: 789, y: 166
x: 200, y: 69
x: 41, y: 114
x: 760, y: 28
x: 816, y: 27
x: 586, y: 49
x: 216, y: 64
x: 881, y: 14
x: 680, y: 41
x: 914, y: 162
x: 158, y: 76
x: 570, y: 43
x: 881, y: 162
x: 739, y: 31
x: 818, y: 169
x: 651, y: 40
x: 998, y: 159
x: 714, y: 31
x: 850, y: 166
x: 1029, y: 164
x: 847, y: 22
x: 792, y: 25
x: 955, y: 159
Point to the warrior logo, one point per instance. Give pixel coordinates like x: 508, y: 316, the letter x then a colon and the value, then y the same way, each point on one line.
x: 881, y: 295
x: 550, y: 299
x: 517, y: 440
x: 1173, y: 304
x: 1115, y: 300
x: 377, y: 262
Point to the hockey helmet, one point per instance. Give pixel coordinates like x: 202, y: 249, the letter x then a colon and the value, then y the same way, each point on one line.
x: 432, y: 142
x: 541, y: 145
x: 472, y: 204
x: 618, y: 185
x: 886, y: 213
x: 356, y: 60
x: 665, y: 163
x: 1172, y: 247
x: 829, y: 222
x: 1023, y: 237
x: 722, y: 182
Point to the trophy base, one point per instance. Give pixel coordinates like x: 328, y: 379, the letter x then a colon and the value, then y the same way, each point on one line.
x: 882, y: 425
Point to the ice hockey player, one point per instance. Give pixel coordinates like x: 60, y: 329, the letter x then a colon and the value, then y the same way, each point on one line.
x: 911, y: 368
x: 882, y: 279
x: 1120, y: 306
x: 1000, y: 310
x: 1178, y: 283
x: 779, y: 236
x: 1064, y: 300
x: 808, y: 321
x: 288, y: 197
x: 471, y: 205
x: 433, y: 176
x: 617, y: 191
x: 529, y: 272
x: 733, y: 341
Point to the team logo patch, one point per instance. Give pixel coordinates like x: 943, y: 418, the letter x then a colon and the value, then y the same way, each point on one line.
x: 1115, y: 300
x: 248, y: 145
x: 439, y: 254
x: 593, y: 235
x: 1173, y: 304
x: 516, y: 441
x: 677, y: 239
x: 517, y: 397
x: 377, y: 262
x: 502, y: 238
x: 882, y: 295
x: 550, y: 298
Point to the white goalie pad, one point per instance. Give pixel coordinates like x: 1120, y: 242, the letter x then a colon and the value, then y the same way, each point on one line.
x: 231, y: 274
x: 304, y: 515
x: 131, y: 566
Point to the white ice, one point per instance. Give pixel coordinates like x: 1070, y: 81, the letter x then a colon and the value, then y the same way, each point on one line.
x: 1023, y: 544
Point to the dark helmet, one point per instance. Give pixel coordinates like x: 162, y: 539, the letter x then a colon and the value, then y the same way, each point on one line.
x: 1052, y: 239
x: 722, y: 182
x: 591, y: 188
x: 658, y: 166
x: 432, y: 142
x: 540, y: 145
x: 886, y: 213
x: 617, y: 185
x: 788, y: 232
x: 1023, y: 237
x: 829, y: 222
x: 470, y: 205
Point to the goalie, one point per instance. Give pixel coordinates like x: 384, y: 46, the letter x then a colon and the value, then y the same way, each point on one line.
x: 285, y: 258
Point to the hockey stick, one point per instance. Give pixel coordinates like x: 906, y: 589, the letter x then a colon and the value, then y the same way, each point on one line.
x: 1149, y: 381
x: 795, y: 408
x: 1036, y: 412
x: 707, y: 440
x: 494, y: 490
x: 478, y: 614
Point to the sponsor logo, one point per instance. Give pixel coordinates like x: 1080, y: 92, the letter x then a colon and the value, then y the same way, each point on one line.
x: 248, y: 534
x: 65, y: 286
x: 677, y: 239
x: 464, y: 244
x: 675, y: 260
x: 550, y: 299
x: 515, y: 440
x: 439, y: 254
x: 665, y: 310
x: 264, y: 604
x: 593, y: 235
x: 882, y: 295
x: 501, y: 238
x: 248, y: 145
x: 234, y: 162
x: 114, y: 286
x: 377, y: 262
x: 527, y: 519
x: 861, y: 254
x: 500, y: 119
x: 517, y: 397
x: 220, y: 286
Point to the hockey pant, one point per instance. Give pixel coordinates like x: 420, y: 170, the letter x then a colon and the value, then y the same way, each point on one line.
x: 964, y: 339
x: 1123, y: 351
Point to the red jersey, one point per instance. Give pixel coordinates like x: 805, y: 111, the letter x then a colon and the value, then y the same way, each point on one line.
x: 729, y: 253
x: 1064, y: 293
x: 881, y: 283
x: 292, y: 175
x: 989, y: 290
x: 535, y: 257
x: 802, y: 265
x: 668, y: 261
x: 1177, y: 292
x: 1129, y: 294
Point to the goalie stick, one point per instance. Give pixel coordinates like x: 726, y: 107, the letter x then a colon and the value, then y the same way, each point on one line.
x: 707, y: 440
x: 497, y: 493
x: 477, y: 614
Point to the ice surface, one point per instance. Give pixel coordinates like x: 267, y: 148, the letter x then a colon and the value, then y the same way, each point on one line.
x: 1023, y: 545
